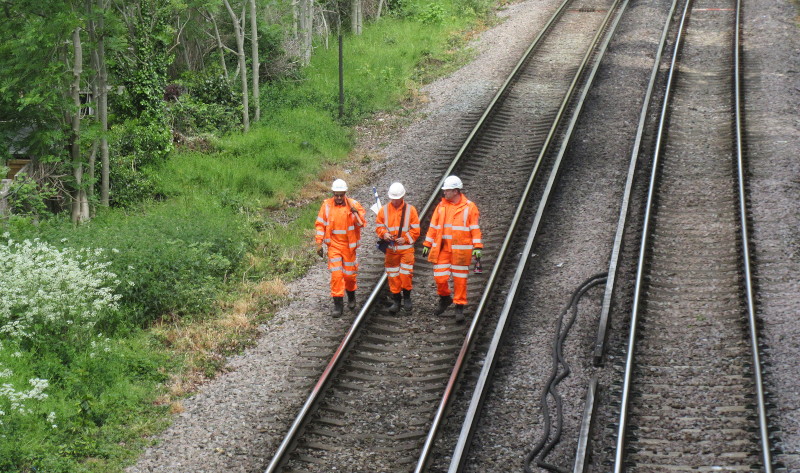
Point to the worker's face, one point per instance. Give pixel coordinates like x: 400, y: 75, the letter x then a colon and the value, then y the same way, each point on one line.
x: 397, y: 203
x: 451, y: 195
x: 338, y: 198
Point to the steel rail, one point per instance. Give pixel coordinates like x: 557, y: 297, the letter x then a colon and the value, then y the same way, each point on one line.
x: 490, y: 108
x: 473, y: 329
x: 613, y: 265
x: 461, y: 449
x: 281, y: 455
x: 766, y: 454
x: 637, y: 293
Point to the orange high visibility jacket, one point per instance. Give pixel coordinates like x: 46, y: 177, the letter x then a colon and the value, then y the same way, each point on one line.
x: 456, y: 224
x: 337, y: 224
x: 388, y: 220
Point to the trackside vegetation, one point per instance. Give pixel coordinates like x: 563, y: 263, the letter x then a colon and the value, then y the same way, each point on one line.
x: 107, y: 324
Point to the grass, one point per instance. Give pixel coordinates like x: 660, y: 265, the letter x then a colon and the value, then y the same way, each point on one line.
x: 235, y: 226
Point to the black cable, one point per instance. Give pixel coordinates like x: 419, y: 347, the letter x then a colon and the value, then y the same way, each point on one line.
x: 543, y: 448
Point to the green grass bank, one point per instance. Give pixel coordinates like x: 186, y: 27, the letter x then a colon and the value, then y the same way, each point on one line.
x: 106, y: 326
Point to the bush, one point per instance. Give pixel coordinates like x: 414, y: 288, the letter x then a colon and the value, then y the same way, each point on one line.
x: 27, y: 198
x: 53, y: 297
x: 171, y: 258
x: 190, y: 116
x: 212, y: 88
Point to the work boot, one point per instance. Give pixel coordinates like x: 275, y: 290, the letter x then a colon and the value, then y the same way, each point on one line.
x: 395, y: 307
x: 338, y: 307
x: 407, y: 300
x: 444, y: 303
x: 351, y: 300
x: 459, y: 313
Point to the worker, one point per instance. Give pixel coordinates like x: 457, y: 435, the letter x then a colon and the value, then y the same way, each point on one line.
x: 338, y: 226
x: 453, y: 238
x: 397, y: 224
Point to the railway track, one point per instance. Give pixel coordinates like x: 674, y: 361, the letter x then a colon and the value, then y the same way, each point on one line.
x: 375, y: 406
x: 692, y: 396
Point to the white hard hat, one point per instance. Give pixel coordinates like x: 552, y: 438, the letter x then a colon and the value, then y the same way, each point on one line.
x: 396, y: 191
x: 339, y: 185
x: 452, y: 182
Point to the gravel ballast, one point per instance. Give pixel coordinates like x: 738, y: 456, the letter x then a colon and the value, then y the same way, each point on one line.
x: 236, y: 421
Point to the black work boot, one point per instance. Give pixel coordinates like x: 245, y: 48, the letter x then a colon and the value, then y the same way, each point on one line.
x: 351, y: 300
x: 338, y: 307
x: 444, y: 303
x: 459, y: 313
x: 407, y: 300
x: 395, y: 307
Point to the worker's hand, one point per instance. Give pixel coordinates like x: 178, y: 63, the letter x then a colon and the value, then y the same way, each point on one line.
x: 321, y: 252
x: 388, y: 236
x: 476, y: 253
x: 425, y: 250
x: 400, y: 241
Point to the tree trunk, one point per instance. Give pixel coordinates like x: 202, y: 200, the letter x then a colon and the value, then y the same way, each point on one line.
x: 101, y: 97
x: 79, y: 213
x: 356, y: 19
x: 380, y: 8
x: 239, y: 33
x: 220, y: 47
x: 254, y: 59
x: 307, y: 29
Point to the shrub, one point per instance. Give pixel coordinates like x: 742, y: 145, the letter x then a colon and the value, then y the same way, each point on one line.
x: 212, y: 88
x: 26, y: 197
x: 171, y: 257
x: 190, y: 116
x: 431, y: 14
x: 53, y: 297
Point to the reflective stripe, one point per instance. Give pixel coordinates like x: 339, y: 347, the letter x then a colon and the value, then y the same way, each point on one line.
x: 393, y: 275
x: 319, y: 219
x: 442, y: 273
x: 436, y: 227
x: 393, y: 269
x: 474, y: 227
x: 427, y: 238
x: 403, y: 271
x: 351, y: 228
x: 460, y: 275
x: 320, y: 233
x: 353, y: 272
x: 414, y: 225
x: 477, y: 240
x: 463, y: 229
x: 404, y: 247
x: 447, y: 237
x: 335, y: 260
x: 348, y: 263
x: 462, y: 268
x: 448, y: 225
x: 440, y: 266
x: 335, y: 268
x: 327, y: 241
x: 407, y: 266
x: 353, y: 245
x: 462, y: 247
x: 339, y: 232
x: 392, y: 229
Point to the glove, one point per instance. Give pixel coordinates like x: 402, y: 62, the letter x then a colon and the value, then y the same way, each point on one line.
x: 321, y: 252
x: 425, y: 250
x: 476, y: 253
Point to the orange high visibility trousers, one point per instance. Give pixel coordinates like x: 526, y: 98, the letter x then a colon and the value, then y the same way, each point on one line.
x: 343, y: 267
x: 399, y: 270
x: 443, y: 269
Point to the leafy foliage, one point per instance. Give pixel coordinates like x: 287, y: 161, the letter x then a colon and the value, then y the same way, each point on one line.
x: 26, y: 197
